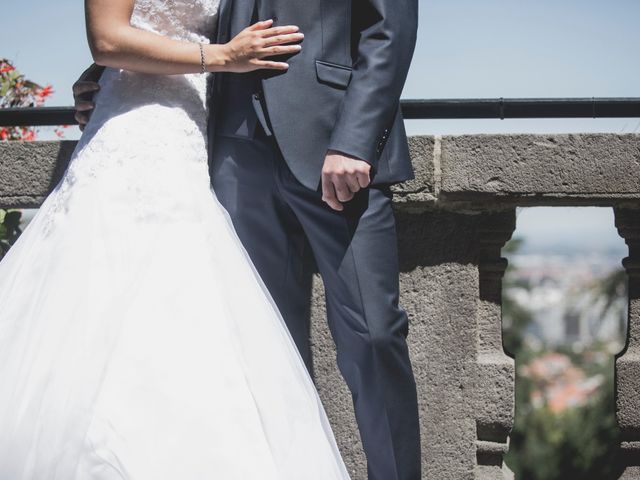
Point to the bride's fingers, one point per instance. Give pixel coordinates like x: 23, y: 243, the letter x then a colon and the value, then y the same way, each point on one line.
x: 279, y: 50
x: 261, y: 25
x: 284, y: 30
x: 269, y: 65
x: 284, y: 39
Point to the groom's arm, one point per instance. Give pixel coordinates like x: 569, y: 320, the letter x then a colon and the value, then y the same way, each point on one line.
x: 387, y: 30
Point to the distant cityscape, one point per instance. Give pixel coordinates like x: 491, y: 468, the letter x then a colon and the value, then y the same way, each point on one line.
x: 564, y: 295
x: 574, y: 289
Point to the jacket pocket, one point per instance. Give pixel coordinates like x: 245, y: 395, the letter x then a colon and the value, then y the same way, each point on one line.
x: 333, y: 74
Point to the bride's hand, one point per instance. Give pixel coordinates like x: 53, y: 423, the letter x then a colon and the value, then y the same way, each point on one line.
x: 252, y: 47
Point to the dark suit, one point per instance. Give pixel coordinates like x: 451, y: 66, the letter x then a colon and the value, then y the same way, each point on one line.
x: 269, y: 136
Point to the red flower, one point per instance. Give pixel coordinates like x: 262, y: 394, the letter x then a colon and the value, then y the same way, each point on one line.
x: 45, y: 92
x: 20, y: 93
x: 29, y: 136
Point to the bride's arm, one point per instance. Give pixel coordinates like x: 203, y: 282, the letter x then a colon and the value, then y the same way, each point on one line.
x: 115, y: 43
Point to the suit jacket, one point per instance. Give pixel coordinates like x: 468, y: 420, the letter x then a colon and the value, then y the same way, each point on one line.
x: 342, y: 91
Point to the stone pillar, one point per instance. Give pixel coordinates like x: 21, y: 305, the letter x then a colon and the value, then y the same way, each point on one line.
x: 494, y: 373
x: 451, y: 277
x: 439, y: 283
x: 627, y: 375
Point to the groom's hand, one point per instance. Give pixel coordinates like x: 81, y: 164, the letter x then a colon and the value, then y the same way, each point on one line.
x: 83, y: 92
x: 342, y: 177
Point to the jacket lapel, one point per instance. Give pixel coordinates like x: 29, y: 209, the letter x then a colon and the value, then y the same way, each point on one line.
x: 224, y: 16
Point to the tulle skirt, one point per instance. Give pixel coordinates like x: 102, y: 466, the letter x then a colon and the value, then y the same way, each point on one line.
x: 137, y: 341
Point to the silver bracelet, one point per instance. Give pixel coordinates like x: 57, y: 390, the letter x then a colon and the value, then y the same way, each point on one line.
x: 202, y: 62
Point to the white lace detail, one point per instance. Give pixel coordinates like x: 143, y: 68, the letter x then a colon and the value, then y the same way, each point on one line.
x: 160, y: 123
x: 192, y: 20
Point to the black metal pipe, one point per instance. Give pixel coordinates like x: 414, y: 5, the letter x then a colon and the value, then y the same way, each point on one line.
x: 413, y: 110
x: 37, y: 117
x: 522, y: 108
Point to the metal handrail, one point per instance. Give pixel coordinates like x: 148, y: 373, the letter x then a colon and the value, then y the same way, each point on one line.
x: 521, y: 108
x: 483, y: 108
x: 37, y: 117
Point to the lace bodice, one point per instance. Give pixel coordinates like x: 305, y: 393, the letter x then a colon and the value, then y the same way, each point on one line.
x: 192, y: 20
x: 147, y: 130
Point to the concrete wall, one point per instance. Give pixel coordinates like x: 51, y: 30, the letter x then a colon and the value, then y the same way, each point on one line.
x: 453, y: 219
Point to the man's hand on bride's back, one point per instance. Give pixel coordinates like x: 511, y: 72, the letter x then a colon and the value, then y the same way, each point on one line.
x: 251, y: 49
x: 84, y: 90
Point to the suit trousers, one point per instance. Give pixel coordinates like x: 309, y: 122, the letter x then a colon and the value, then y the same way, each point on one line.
x: 283, y: 224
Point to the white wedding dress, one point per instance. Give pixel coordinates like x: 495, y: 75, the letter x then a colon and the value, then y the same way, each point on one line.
x: 136, y: 340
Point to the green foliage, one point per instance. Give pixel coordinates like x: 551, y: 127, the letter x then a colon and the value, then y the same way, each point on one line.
x: 16, y: 91
x: 516, y: 319
x: 9, y: 229
x: 579, y: 443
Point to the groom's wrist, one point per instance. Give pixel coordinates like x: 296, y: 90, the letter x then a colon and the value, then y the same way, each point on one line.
x: 354, y: 150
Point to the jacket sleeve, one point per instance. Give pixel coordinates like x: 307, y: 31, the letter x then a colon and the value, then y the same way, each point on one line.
x: 385, y: 32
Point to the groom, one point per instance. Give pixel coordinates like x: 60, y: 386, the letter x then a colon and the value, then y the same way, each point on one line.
x: 303, y: 162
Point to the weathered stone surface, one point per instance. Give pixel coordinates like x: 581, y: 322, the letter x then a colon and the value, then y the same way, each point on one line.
x: 439, y: 285
x: 28, y: 171
x: 494, y: 374
x: 628, y: 361
x: 580, y: 165
x: 465, y: 173
x: 425, y: 152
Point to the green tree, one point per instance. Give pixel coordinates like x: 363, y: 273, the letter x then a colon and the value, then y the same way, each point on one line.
x: 516, y: 318
x: 9, y: 229
x: 579, y: 443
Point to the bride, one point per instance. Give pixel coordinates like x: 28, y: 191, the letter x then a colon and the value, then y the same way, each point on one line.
x: 136, y: 340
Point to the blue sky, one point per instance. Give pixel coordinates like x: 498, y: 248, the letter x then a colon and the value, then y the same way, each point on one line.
x: 466, y: 49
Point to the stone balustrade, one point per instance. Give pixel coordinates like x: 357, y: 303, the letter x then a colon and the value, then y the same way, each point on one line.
x: 453, y: 220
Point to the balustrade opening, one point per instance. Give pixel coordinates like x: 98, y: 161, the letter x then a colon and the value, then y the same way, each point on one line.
x: 565, y: 314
